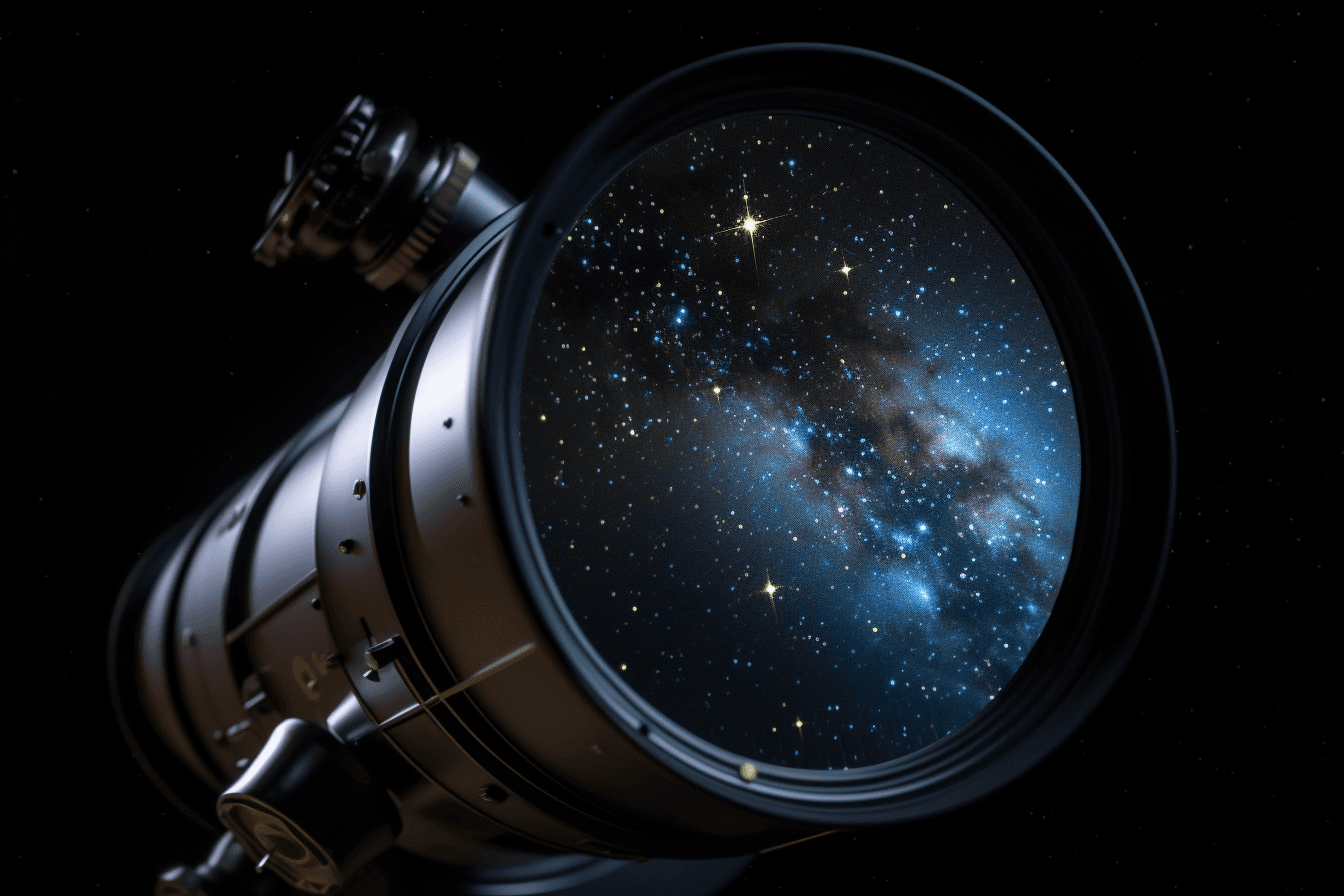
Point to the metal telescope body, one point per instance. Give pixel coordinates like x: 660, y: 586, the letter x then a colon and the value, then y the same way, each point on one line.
x: 265, y: 636
x: 354, y: 661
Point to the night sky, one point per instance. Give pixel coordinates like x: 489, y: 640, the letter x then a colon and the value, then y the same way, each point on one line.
x: 153, y: 362
x: 799, y: 442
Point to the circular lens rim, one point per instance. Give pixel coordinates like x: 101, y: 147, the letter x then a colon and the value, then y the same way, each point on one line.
x: 1126, y: 425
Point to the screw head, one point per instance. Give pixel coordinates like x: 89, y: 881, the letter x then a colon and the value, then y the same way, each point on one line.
x: 748, y: 772
x: 448, y: 424
x: 346, y: 547
x: 360, y: 489
x: 317, y: 603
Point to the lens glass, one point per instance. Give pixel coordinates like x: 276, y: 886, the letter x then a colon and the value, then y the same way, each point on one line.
x: 799, y: 442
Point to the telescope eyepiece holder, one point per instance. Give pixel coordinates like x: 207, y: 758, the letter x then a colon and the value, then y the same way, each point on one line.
x: 397, y: 202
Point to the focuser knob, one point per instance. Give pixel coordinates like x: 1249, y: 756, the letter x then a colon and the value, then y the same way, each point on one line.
x: 376, y: 192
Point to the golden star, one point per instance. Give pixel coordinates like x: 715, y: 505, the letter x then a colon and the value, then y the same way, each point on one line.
x: 749, y: 224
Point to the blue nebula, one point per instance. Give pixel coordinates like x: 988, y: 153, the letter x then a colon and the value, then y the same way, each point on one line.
x: 863, y: 488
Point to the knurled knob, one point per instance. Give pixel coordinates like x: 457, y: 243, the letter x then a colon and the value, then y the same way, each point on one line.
x: 374, y: 189
x: 306, y: 190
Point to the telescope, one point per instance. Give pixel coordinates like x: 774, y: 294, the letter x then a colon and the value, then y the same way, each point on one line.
x: 798, y: 458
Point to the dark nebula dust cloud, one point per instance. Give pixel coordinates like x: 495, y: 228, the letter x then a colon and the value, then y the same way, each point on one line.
x: 799, y: 442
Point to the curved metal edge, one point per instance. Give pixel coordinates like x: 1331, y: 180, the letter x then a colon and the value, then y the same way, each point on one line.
x: 173, y: 777
x: 457, y: 715
x: 1127, y: 594
x: 244, y: 549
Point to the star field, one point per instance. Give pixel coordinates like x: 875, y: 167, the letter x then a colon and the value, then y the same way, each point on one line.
x: 800, y: 442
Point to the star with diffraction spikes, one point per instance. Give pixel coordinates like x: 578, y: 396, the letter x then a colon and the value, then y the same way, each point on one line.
x: 750, y: 224
x: 846, y: 269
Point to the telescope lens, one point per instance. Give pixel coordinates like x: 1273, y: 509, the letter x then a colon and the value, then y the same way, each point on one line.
x: 800, y: 442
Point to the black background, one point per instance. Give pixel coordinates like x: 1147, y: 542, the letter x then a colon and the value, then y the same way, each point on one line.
x: 154, y: 362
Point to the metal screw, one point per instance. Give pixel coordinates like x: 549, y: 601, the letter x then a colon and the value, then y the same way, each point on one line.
x: 463, y: 500
x: 384, y: 653
x: 317, y: 603
x: 346, y: 547
x: 448, y: 424
x: 360, y: 489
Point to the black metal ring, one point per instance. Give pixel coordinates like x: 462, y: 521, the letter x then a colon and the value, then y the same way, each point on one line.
x: 458, y: 715
x: 1124, y: 409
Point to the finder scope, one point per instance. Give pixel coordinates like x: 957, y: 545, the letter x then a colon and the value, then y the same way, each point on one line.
x: 799, y: 457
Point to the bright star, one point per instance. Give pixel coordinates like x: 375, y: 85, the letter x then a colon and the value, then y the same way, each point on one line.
x: 749, y: 224
x: 845, y: 267
x: 769, y: 591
